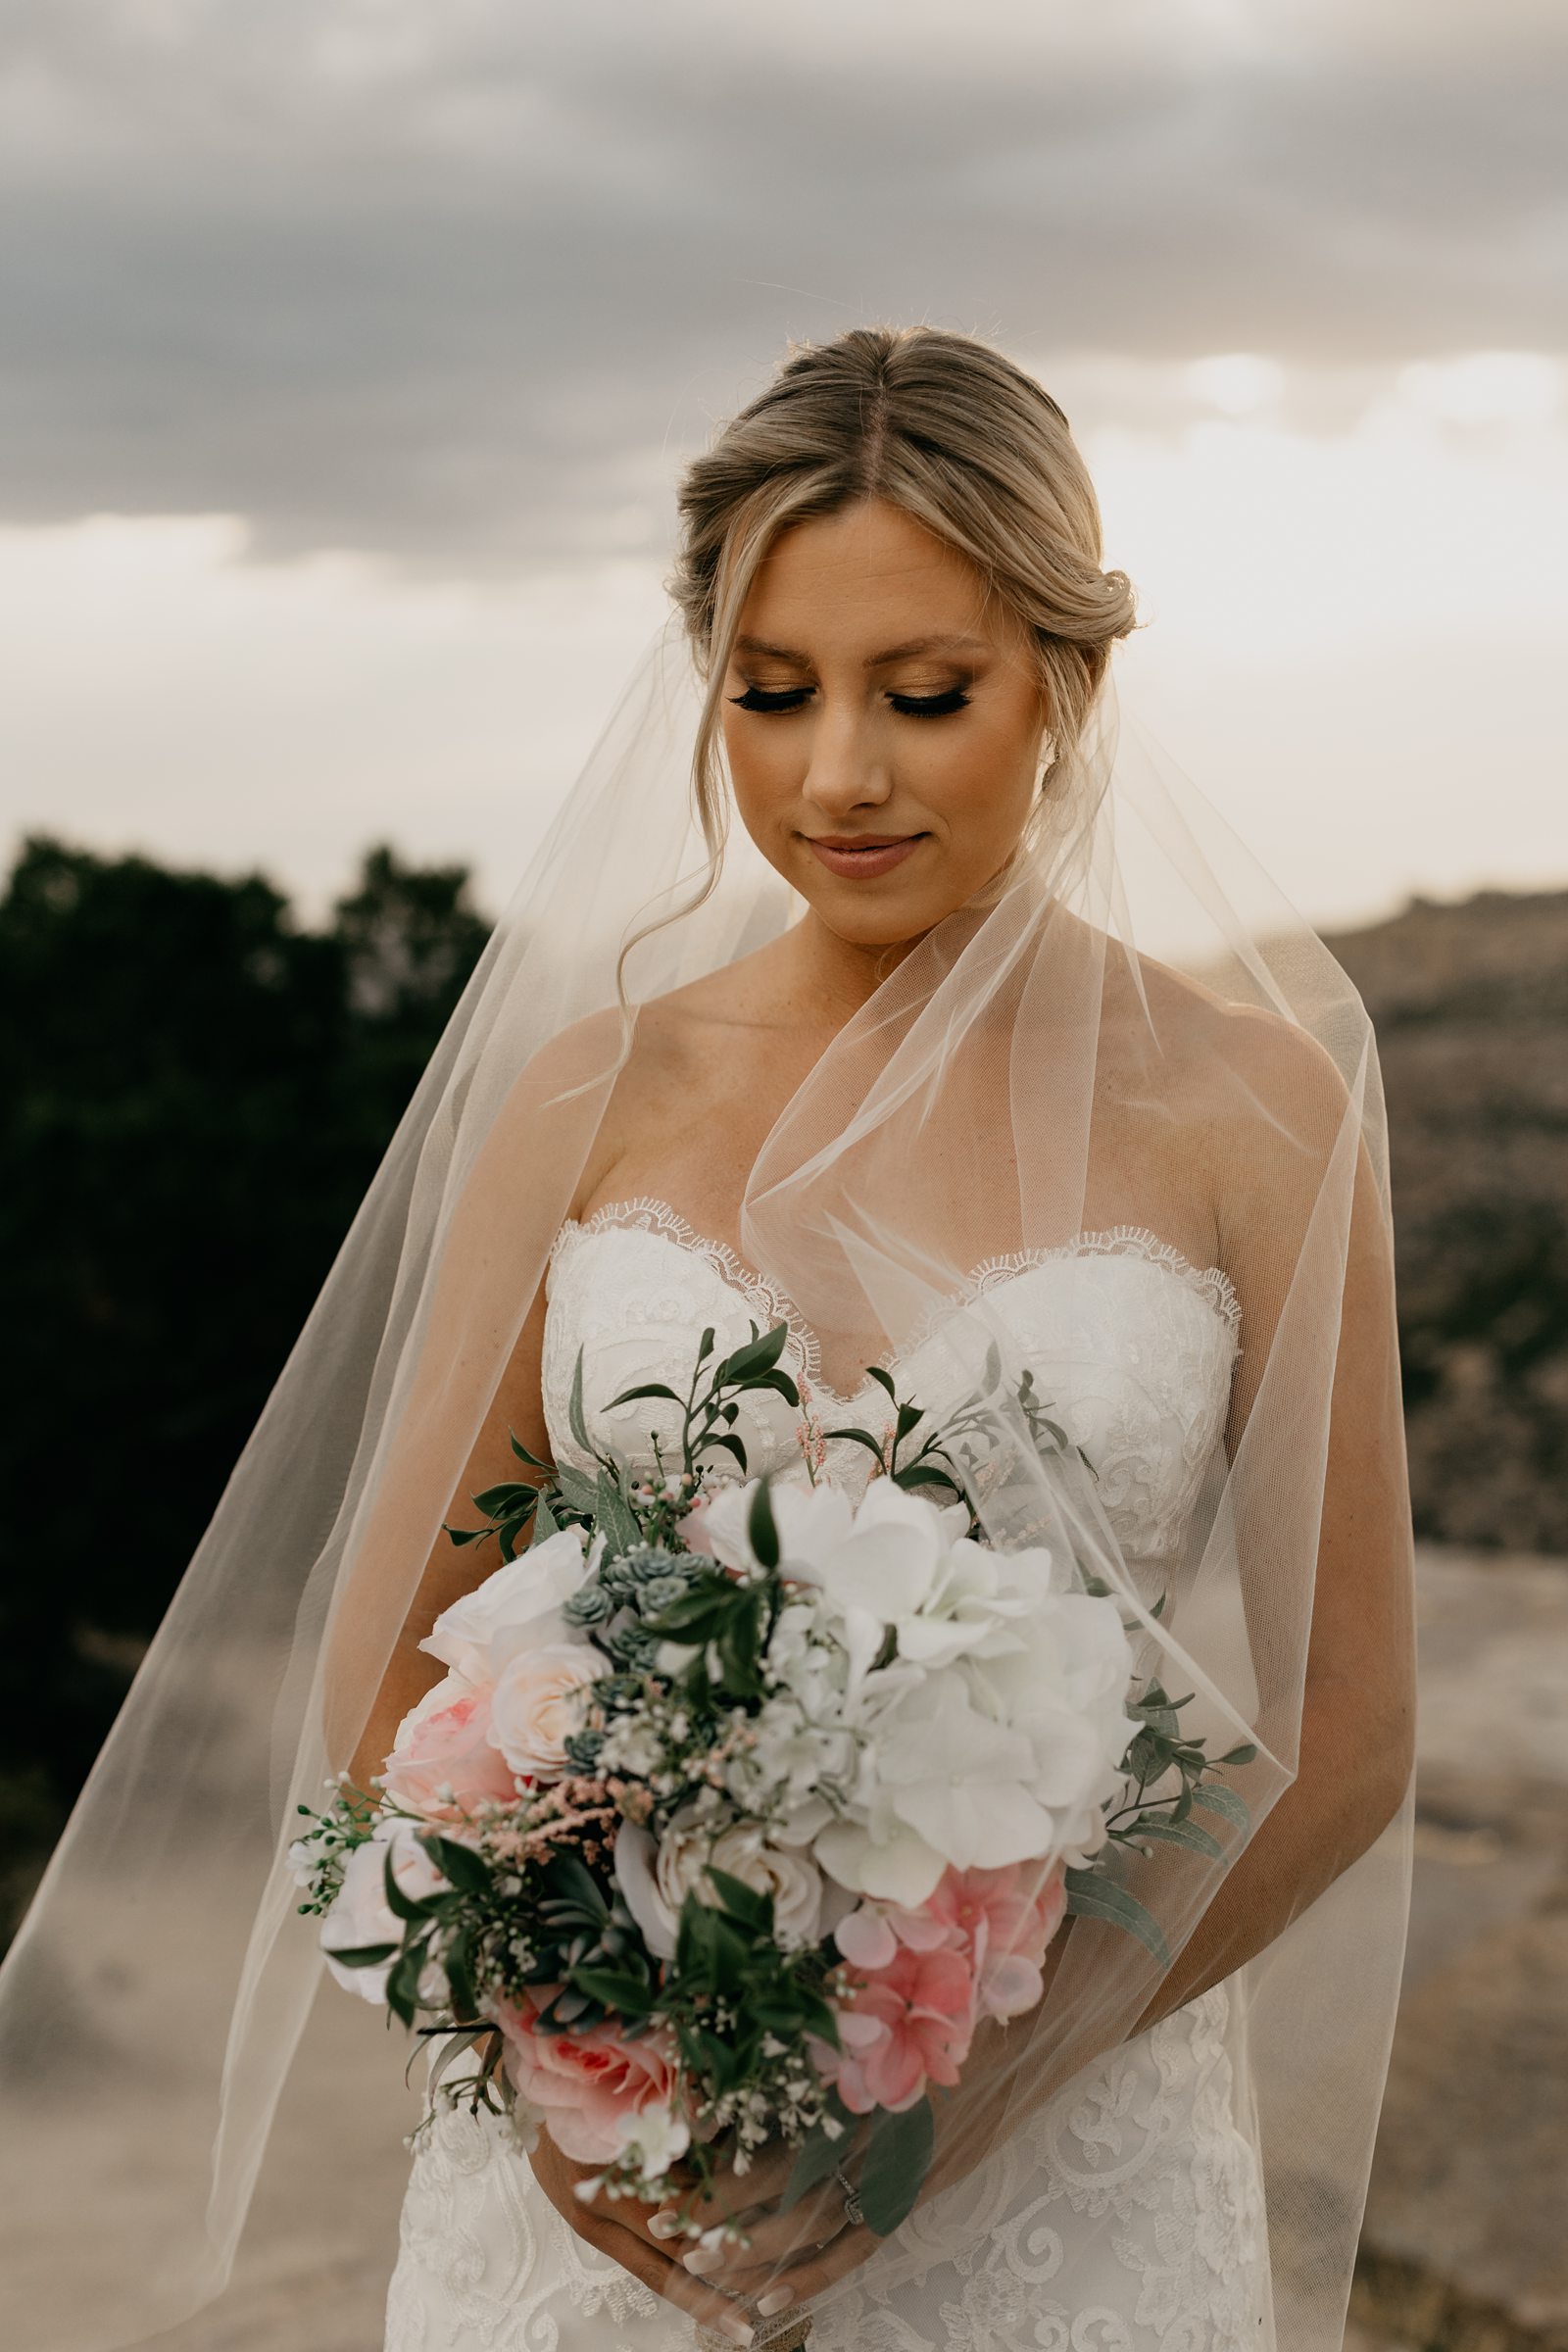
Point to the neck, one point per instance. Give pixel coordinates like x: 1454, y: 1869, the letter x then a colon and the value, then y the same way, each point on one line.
x: 833, y: 976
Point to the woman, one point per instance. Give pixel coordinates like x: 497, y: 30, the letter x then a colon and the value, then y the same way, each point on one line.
x: 927, y: 1057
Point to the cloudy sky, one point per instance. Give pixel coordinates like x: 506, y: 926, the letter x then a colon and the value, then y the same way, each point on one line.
x: 349, y: 351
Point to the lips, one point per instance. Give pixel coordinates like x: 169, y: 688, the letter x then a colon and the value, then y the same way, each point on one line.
x: 862, y: 856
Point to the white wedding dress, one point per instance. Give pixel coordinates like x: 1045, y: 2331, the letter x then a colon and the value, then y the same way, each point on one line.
x: 1127, y: 2214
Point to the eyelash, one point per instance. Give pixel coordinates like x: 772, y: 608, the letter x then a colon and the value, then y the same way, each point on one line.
x: 790, y: 699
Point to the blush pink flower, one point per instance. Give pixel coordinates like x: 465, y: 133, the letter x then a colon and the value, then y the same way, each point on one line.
x: 902, y: 2027
x: 445, y: 1741
x: 593, y: 2089
x: 1004, y: 1921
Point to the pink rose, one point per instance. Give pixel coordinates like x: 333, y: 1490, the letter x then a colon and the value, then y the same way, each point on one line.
x: 594, y: 2089
x: 446, y: 1739
x: 537, y: 1701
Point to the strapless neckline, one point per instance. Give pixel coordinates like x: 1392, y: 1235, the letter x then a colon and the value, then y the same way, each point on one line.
x: 1211, y: 1286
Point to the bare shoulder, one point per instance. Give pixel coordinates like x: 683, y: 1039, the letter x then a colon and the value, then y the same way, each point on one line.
x: 1241, y: 1062
x: 1271, y: 1104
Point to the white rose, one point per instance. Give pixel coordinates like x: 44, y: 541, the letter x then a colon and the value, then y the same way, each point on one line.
x: 361, y: 1915
x: 656, y: 1878
x: 518, y: 1607
x: 537, y: 1702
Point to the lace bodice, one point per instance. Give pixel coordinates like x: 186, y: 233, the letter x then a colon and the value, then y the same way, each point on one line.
x: 1132, y: 1347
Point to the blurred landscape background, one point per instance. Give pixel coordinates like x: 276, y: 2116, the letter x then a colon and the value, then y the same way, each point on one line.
x: 349, y: 351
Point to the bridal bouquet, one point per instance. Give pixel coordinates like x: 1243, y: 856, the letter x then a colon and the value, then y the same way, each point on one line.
x: 742, y: 1805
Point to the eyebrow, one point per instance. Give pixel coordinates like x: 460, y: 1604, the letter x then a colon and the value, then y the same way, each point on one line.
x: 893, y: 652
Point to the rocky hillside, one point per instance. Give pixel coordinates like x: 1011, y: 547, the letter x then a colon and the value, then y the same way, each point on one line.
x: 1470, y: 1003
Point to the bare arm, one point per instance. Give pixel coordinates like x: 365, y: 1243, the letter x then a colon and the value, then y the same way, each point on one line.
x: 455, y: 1569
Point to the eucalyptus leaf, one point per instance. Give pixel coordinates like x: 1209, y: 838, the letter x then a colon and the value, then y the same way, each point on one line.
x: 1092, y: 1897
x: 1186, y: 1834
x: 1222, y: 1801
x: 897, y: 2162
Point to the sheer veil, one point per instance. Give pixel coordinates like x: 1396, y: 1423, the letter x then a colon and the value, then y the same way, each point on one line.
x: 1133, y: 1009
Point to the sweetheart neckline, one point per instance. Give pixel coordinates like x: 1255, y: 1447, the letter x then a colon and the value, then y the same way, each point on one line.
x: 650, y: 1212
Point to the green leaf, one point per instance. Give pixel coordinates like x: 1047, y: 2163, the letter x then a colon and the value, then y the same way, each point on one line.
x: 403, y: 1985
x: 742, y: 1902
x: 925, y: 1473
x: 463, y: 1535
x: 571, y: 1878
x: 500, y: 1502
x: 365, y: 1955
x: 544, y: 1522
x: 615, y: 1989
x: 1181, y: 1832
x: 574, y: 1412
x: 1222, y: 1801
x: 401, y: 1905
x: 895, y: 2164
x: 614, y: 1516
x: 1238, y: 1755
x: 650, y: 1387
x: 734, y: 1445
x: 762, y: 1529
x: 883, y: 1378
x: 757, y: 1355
x: 817, y: 2160
x: 469, y: 1872
x: 1092, y: 1897
x: 578, y: 1492
x: 861, y: 1436
x: 524, y: 1455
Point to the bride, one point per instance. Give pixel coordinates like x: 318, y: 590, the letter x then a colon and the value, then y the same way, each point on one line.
x: 925, y: 613
x: 880, y: 977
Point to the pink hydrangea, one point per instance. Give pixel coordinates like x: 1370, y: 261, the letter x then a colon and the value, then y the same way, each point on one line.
x: 921, y: 1981
x: 903, y: 2026
x: 1004, y: 1923
x: 444, y: 1742
x: 593, y: 2089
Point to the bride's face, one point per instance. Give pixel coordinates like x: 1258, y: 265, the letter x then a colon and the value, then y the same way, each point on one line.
x: 872, y: 698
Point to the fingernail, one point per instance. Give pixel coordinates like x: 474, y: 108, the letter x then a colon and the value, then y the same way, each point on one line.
x: 736, y: 2330
x: 774, y: 2301
x: 665, y: 2225
x: 703, y: 2259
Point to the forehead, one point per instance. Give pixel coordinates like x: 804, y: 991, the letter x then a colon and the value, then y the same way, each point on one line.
x: 868, y: 572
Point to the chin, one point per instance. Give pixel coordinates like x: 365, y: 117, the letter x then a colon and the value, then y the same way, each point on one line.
x: 852, y: 916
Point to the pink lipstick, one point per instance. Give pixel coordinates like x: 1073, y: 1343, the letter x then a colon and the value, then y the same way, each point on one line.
x: 863, y: 855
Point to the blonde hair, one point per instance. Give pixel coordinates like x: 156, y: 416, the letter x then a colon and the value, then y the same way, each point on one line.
x: 947, y: 428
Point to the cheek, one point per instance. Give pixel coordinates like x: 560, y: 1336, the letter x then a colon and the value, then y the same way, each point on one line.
x: 981, y: 788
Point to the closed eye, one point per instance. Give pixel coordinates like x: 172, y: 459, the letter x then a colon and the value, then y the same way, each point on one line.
x: 909, y: 706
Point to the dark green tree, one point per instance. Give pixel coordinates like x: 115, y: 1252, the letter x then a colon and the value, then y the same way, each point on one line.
x: 194, y: 1091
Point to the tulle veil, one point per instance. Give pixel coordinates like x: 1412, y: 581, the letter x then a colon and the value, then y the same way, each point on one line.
x: 1137, y: 1006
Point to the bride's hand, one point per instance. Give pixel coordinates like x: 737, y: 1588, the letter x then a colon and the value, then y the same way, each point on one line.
x: 620, y: 2228
x: 786, y: 2256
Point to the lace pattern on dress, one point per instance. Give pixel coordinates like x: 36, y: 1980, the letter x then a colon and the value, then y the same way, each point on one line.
x: 772, y: 1305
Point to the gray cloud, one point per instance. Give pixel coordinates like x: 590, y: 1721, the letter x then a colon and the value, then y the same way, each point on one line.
x: 444, y: 282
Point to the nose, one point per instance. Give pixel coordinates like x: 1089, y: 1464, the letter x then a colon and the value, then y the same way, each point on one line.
x: 844, y: 771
